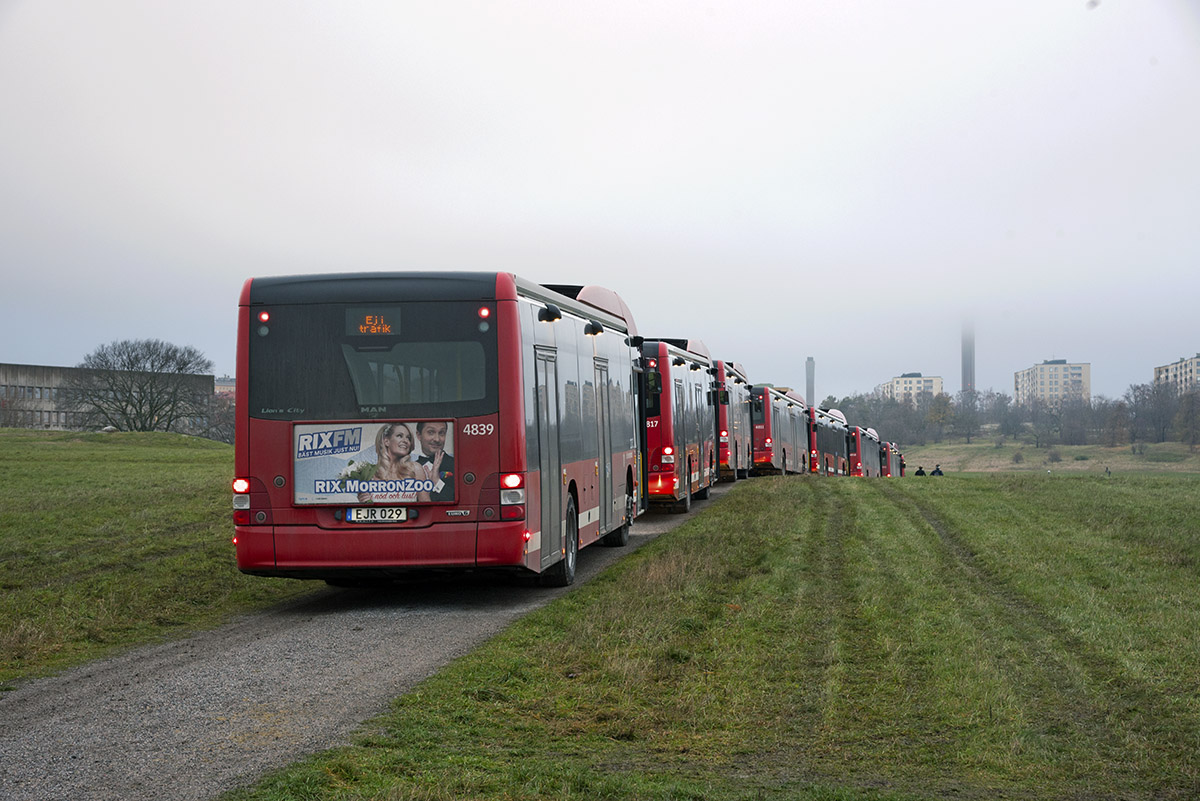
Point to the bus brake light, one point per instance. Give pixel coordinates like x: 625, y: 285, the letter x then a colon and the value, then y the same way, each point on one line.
x: 512, y: 496
x: 241, y: 485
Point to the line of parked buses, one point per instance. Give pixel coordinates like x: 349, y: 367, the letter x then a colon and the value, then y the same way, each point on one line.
x: 388, y: 422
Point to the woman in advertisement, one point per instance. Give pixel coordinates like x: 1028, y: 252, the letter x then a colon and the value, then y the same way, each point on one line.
x: 393, y: 448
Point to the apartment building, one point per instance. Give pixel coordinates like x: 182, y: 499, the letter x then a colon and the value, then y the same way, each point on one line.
x: 1183, y: 374
x: 1052, y: 382
x: 907, y: 387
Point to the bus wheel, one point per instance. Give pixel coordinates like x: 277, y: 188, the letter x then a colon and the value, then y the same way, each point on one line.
x: 619, y: 537
x: 562, y: 572
x: 684, y: 504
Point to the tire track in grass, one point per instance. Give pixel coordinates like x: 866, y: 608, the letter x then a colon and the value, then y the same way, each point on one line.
x: 1075, y: 691
x: 825, y: 593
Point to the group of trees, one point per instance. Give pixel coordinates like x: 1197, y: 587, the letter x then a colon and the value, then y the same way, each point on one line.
x: 1145, y: 413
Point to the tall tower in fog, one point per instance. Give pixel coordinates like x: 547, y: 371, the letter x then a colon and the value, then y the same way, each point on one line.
x: 810, y: 371
x: 968, y: 357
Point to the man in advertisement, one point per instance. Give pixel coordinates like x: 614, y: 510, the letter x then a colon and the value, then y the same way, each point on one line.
x: 437, y: 464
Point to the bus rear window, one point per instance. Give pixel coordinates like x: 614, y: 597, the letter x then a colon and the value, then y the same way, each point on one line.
x: 308, y: 363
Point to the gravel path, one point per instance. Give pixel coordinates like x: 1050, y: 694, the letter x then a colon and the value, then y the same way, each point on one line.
x: 190, y: 719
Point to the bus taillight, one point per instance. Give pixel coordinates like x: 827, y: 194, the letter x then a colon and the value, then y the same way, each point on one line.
x: 241, y: 485
x: 512, y: 496
x: 668, y: 455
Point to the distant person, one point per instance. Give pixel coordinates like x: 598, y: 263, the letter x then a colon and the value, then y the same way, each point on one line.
x: 920, y: 471
x: 937, y: 470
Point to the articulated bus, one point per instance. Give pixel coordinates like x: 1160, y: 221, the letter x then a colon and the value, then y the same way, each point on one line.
x: 681, y: 422
x: 390, y: 421
x: 864, y: 452
x: 735, y: 435
x: 891, y: 460
x: 780, y: 421
x: 829, y: 443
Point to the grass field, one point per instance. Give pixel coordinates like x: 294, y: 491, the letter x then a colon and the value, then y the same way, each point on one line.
x: 983, y: 455
x: 977, y: 637
x: 107, y: 540
x: 1018, y: 635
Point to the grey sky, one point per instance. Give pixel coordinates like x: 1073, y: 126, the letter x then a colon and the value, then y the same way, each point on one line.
x: 846, y: 180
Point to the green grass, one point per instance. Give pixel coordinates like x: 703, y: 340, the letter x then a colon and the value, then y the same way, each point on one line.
x: 982, y: 456
x: 107, y: 540
x: 1017, y: 636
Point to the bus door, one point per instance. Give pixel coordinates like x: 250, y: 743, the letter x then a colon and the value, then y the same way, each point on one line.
x: 604, y: 467
x: 550, y: 469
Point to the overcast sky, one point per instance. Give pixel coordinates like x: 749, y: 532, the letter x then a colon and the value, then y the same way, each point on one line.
x: 844, y: 180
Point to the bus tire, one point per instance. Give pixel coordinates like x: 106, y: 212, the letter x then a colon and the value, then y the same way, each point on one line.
x: 562, y: 572
x: 619, y: 537
x: 684, y: 504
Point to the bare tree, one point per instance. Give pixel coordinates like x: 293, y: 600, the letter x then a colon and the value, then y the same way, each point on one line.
x: 1152, y: 410
x: 1187, y: 419
x: 220, y: 425
x: 966, y: 414
x: 940, y: 415
x: 143, y: 385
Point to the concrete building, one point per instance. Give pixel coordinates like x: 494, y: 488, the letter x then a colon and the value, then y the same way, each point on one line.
x: 35, y: 396
x: 908, y: 386
x: 1052, y: 382
x: 1184, y: 374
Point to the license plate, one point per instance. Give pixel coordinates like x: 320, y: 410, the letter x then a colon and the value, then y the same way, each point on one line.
x: 376, y: 514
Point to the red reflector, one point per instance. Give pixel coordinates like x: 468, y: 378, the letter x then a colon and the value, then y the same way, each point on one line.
x: 264, y: 316
x: 527, y: 536
x: 512, y: 480
x: 484, y: 312
x: 241, y: 517
x: 514, y: 512
x: 235, y: 540
x: 241, y: 485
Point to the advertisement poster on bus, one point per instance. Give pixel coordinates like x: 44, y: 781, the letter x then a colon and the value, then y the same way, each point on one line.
x: 380, y: 462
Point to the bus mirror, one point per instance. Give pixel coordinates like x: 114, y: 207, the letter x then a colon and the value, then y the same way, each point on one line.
x: 723, y: 397
x: 654, y: 382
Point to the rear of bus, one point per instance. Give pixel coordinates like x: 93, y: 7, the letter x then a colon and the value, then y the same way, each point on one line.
x: 369, y: 434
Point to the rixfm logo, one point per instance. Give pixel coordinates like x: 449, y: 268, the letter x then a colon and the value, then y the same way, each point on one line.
x: 328, y: 443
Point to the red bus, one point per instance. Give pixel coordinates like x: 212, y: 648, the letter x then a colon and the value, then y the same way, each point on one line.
x: 395, y: 421
x: 864, y: 452
x: 779, y: 417
x: 681, y: 422
x: 892, y: 460
x: 828, y: 442
x: 735, y: 435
